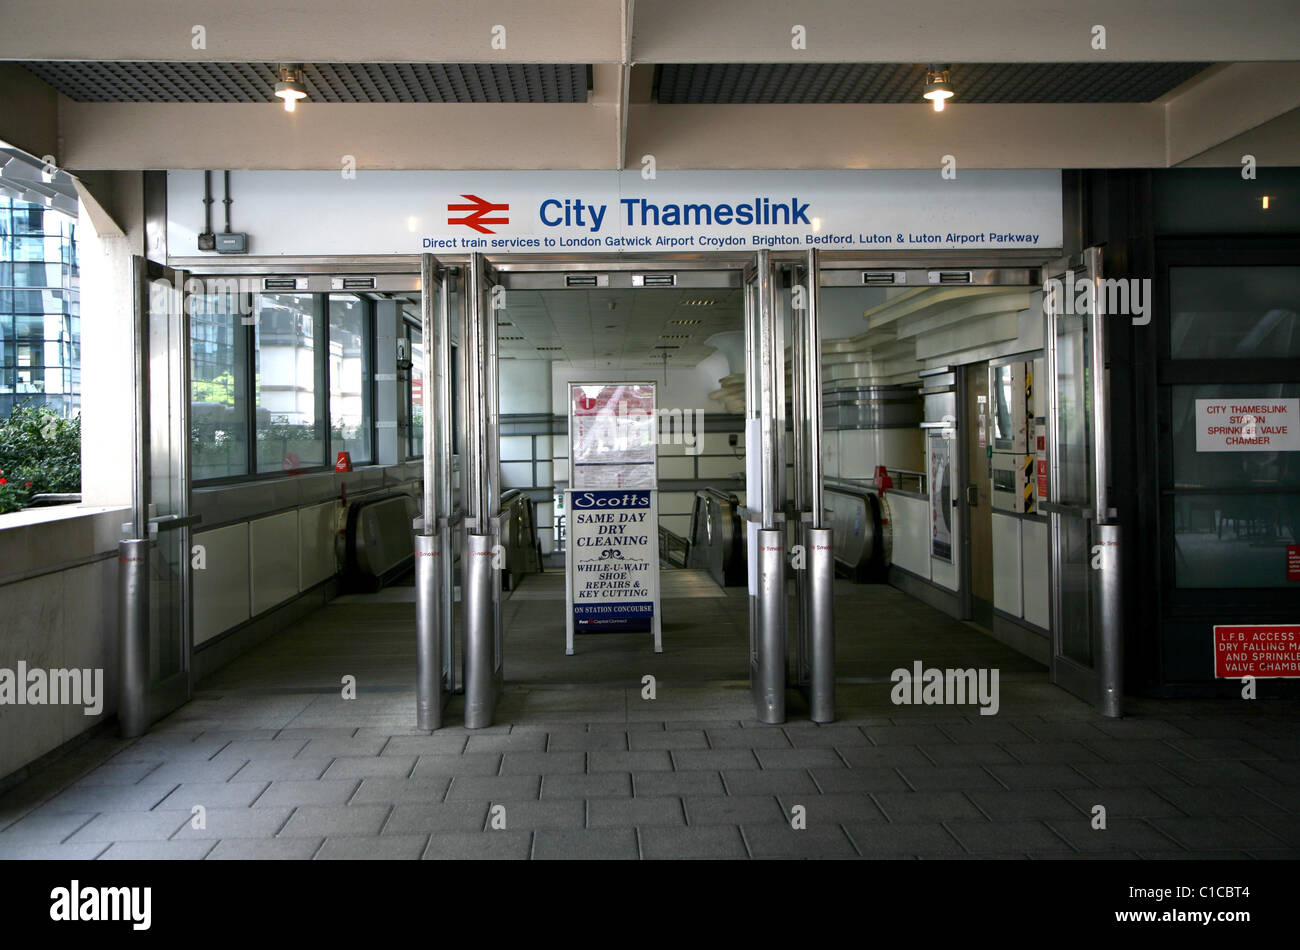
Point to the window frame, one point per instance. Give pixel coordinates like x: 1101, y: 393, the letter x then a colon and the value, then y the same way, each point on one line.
x: 1271, y: 251
x: 321, y: 376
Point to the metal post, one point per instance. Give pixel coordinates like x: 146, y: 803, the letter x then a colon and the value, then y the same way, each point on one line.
x: 1107, y: 606
x: 799, y: 433
x: 428, y: 635
x: 820, y: 564
x: 812, y: 354
x: 444, y: 451
x: 769, y: 683
x: 133, y: 637
x: 428, y: 548
x: 821, y: 624
x: 1108, y: 610
x: 481, y: 584
x: 480, y: 632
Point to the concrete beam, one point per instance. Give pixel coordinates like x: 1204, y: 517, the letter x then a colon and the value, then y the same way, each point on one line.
x: 965, y: 31
x: 1274, y: 144
x: 1234, y: 99
x: 340, y: 31
x: 29, y: 113
x: 899, y: 136
x: 130, y: 135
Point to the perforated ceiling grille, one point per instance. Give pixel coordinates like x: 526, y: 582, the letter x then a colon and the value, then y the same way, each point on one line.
x: 687, y: 83
x: 325, y: 82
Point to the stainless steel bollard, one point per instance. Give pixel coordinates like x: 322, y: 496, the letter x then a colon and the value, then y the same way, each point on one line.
x: 769, y: 684
x: 428, y: 632
x: 133, y: 638
x: 821, y: 624
x: 480, y: 632
x: 1109, y: 611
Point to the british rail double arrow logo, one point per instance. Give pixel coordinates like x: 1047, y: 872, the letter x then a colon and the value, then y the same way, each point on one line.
x: 478, y: 217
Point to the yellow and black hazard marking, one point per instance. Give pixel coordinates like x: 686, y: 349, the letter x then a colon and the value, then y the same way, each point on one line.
x: 1029, y: 485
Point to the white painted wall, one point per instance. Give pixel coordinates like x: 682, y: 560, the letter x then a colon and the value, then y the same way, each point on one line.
x: 524, y: 386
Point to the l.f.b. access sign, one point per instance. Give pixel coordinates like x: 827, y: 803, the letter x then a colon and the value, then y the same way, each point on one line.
x: 1264, y: 651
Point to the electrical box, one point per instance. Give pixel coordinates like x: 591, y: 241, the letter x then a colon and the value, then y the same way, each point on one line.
x: 1013, y: 482
x: 232, y: 243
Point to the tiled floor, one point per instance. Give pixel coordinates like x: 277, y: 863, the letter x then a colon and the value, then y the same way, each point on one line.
x: 584, y: 767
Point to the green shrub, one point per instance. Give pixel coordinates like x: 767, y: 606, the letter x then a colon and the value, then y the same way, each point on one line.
x: 40, y: 451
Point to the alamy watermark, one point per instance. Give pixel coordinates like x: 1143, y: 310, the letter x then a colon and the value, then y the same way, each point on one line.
x: 34, y: 686
x: 935, y: 687
x: 87, y: 903
x: 1118, y: 296
x: 671, y: 426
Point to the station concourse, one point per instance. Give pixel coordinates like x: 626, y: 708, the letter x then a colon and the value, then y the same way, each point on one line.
x: 606, y: 430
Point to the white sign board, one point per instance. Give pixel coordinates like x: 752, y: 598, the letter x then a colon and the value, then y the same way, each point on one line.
x: 411, y: 212
x: 612, y: 563
x: 1248, y: 425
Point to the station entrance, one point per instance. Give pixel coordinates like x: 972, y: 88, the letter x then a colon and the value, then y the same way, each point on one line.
x: 858, y: 455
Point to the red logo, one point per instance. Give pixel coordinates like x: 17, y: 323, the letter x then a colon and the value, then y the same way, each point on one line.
x: 480, y: 209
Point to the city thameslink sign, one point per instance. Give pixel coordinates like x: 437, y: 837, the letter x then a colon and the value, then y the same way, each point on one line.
x: 1260, y: 424
x: 406, y: 212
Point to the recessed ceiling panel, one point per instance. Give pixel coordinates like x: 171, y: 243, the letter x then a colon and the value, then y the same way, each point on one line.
x: 325, y: 82
x: 737, y: 83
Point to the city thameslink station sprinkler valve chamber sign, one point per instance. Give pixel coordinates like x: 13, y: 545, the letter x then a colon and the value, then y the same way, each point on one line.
x: 612, y: 557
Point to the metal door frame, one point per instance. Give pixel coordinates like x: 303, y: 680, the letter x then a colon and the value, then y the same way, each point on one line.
x: 1102, y: 683
x: 474, y: 275
x: 434, y: 594
x: 142, y: 700
x: 815, y: 578
x: 484, y: 659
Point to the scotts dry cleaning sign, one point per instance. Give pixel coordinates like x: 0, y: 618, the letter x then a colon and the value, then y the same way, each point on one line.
x: 610, y: 534
x: 405, y: 212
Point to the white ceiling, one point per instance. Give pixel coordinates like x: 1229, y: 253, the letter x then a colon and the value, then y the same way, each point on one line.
x: 642, y: 325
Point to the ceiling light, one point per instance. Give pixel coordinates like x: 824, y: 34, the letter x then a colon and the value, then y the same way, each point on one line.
x: 290, y: 87
x: 1264, y: 202
x: 937, y: 87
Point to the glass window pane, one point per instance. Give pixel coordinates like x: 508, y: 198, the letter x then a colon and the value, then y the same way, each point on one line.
x: 1232, y: 469
x: 415, y: 404
x: 218, y: 387
x: 1073, y: 406
x: 290, y: 432
x: 1237, y: 540
x: 349, y: 375
x: 1234, y: 312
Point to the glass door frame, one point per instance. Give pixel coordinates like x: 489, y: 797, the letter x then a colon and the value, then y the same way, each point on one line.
x: 1100, y: 682
x: 165, y: 692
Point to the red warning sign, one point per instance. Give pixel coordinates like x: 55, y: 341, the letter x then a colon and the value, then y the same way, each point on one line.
x: 1265, y: 651
x: 1293, y: 562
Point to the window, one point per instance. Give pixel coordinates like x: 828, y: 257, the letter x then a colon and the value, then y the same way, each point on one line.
x: 272, y: 371
x: 349, y: 375
x: 218, y: 387
x: 1234, y: 313
x: 415, y: 394
x: 290, y: 420
x: 1230, y: 513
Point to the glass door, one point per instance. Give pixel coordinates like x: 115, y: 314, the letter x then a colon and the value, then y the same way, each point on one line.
x: 1084, y: 535
x: 162, y: 480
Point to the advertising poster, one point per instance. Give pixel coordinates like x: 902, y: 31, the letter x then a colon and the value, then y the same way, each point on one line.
x: 613, y: 554
x: 612, y: 435
x: 940, y: 497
